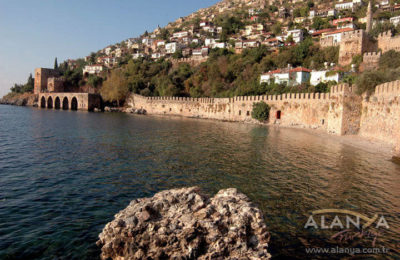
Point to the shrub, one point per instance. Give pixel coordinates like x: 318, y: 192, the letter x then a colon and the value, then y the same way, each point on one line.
x: 260, y: 111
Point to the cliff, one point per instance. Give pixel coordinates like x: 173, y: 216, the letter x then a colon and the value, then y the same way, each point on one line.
x: 185, y: 224
x: 24, y: 99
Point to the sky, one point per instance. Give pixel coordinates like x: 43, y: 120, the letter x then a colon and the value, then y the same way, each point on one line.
x: 34, y: 32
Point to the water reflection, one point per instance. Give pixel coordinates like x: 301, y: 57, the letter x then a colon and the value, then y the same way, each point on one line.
x: 65, y: 174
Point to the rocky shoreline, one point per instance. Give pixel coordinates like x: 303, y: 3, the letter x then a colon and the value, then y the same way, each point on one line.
x: 24, y: 99
x: 186, y: 224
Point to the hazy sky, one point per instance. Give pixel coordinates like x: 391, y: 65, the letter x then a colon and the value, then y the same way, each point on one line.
x: 34, y: 32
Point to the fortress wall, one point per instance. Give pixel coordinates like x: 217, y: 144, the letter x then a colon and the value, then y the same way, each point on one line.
x: 387, y: 42
x: 306, y: 110
x: 380, y: 117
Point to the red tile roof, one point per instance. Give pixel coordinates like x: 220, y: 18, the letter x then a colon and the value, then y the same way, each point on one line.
x: 300, y: 69
x: 316, y: 33
x: 340, y: 31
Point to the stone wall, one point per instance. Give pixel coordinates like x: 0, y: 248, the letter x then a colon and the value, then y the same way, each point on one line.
x: 370, y: 61
x: 306, y: 110
x: 380, y: 118
x: 354, y: 43
x: 340, y: 112
x: 387, y: 42
x: 192, y: 61
x: 41, y: 78
x: 55, y: 84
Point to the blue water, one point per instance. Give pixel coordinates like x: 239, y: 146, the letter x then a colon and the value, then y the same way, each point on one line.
x: 64, y: 174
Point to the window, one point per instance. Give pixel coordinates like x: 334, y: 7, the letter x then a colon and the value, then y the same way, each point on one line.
x: 278, y: 114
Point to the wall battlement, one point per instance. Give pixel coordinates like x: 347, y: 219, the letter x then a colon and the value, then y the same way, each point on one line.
x: 352, y: 34
x: 376, y: 54
x: 335, y: 90
x: 391, y: 88
x: 387, y: 34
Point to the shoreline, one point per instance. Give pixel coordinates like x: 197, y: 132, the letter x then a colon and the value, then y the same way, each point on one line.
x: 366, y: 144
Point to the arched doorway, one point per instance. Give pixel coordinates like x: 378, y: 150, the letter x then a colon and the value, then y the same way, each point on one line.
x: 57, y: 103
x: 43, y: 102
x: 65, y: 103
x: 50, y: 103
x: 74, y: 104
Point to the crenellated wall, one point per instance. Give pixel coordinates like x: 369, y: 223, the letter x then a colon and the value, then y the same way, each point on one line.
x: 306, y: 110
x: 380, y: 118
x: 339, y: 112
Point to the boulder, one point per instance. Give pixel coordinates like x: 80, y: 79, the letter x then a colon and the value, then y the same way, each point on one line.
x: 186, y: 224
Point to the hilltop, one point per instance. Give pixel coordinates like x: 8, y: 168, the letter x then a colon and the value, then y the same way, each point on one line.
x: 245, y: 47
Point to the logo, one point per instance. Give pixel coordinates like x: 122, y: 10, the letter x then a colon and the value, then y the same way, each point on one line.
x: 348, y: 226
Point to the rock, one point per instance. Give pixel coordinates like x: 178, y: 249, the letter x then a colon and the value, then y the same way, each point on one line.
x: 186, y: 224
x: 20, y: 99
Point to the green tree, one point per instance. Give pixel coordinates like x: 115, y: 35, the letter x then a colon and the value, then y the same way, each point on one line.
x: 94, y: 81
x: 261, y: 111
x: 390, y: 60
x: 115, y: 88
x: 320, y: 23
x: 368, y: 80
x: 55, y: 64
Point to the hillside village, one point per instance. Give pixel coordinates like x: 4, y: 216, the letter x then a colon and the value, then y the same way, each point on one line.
x: 350, y: 36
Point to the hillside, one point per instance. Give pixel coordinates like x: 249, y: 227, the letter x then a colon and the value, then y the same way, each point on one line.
x: 244, y: 47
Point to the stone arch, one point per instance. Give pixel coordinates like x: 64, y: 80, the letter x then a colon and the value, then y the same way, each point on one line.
x: 74, y: 103
x: 50, y: 102
x: 43, y: 102
x: 65, y: 104
x: 57, y: 102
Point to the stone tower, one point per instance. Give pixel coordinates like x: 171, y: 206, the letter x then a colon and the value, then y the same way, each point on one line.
x: 41, y: 78
x: 369, y: 18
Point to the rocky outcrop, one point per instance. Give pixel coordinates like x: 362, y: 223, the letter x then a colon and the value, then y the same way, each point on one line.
x: 186, y: 224
x: 24, y: 99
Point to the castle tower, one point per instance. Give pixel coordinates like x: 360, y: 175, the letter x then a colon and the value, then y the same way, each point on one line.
x: 369, y: 18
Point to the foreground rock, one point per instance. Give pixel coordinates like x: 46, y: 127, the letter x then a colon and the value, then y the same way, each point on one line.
x: 185, y: 224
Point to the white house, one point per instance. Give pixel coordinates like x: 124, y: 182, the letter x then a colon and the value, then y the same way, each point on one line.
x: 200, y: 52
x: 172, y: 47
x: 344, y: 6
x: 93, y: 69
x: 107, y: 50
x: 147, y: 41
x: 333, y: 38
x: 208, y: 42
x: 180, y: 34
x: 157, y: 55
x: 395, y: 20
x: 290, y: 77
x: 332, y: 12
x: 324, y: 76
x: 137, y: 56
x: 297, y: 35
x: 119, y: 52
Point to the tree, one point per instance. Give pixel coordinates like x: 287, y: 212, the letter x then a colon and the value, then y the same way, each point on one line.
x: 276, y: 29
x: 367, y: 81
x: 94, y: 81
x: 55, y: 64
x: 390, y: 60
x: 320, y: 23
x: 261, y: 111
x: 177, y: 55
x: 115, y: 88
